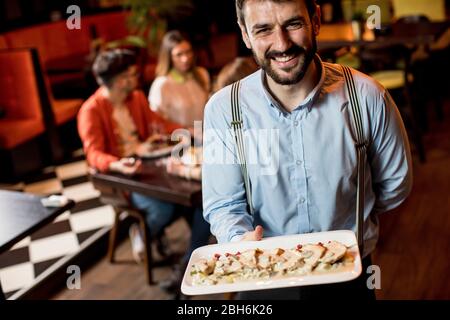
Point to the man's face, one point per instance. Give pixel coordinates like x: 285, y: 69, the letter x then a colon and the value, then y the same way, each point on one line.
x: 127, y: 81
x: 282, y: 37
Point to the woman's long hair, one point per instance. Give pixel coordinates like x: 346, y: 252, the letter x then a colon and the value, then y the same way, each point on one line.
x: 171, y: 40
x: 233, y: 71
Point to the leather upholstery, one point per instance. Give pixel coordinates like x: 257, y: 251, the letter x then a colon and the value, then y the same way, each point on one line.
x: 20, y: 99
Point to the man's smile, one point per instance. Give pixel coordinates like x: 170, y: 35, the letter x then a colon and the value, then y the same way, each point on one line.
x: 286, y: 61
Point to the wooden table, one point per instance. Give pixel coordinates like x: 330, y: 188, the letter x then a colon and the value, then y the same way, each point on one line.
x: 20, y: 215
x: 155, y: 182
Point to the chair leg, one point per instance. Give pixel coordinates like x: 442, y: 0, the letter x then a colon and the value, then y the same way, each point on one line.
x: 148, y: 259
x: 113, y: 236
x: 417, y: 138
x: 413, y: 124
x: 438, y: 109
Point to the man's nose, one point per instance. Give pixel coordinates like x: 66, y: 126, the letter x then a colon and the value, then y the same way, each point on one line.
x: 282, y: 41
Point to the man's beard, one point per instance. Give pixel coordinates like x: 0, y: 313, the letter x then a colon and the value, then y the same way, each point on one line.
x: 305, y: 58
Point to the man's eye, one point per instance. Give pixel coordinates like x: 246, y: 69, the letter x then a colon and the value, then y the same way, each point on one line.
x: 295, y: 25
x: 261, y: 31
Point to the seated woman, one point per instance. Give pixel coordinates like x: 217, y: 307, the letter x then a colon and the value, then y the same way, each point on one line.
x: 114, y: 124
x: 181, y: 89
x: 189, y: 165
x: 179, y: 94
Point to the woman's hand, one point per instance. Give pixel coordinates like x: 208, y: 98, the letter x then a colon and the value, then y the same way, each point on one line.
x: 143, y: 149
x: 176, y: 167
x: 156, y: 138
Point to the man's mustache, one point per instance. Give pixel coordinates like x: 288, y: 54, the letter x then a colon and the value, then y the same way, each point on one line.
x: 294, y: 50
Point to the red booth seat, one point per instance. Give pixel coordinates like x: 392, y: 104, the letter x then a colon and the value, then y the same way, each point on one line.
x: 3, y: 43
x: 109, y: 26
x: 65, y: 110
x: 55, y: 42
x: 20, y: 101
x: 52, y: 40
x: 14, y: 132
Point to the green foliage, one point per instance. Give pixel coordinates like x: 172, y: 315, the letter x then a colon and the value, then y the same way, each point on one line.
x: 358, y: 16
x: 148, y: 18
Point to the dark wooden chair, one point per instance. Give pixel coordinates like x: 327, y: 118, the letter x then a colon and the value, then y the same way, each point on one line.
x: 59, y: 116
x: 390, y: 65
x: 120, y: 202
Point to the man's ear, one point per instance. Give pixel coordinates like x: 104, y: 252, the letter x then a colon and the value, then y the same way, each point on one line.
x: 244, y: 34
x: 316, y: 21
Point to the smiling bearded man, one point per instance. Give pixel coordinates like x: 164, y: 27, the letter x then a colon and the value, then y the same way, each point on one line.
x: 285, y: 52
x: 303, y: 102
x: 287, y: 62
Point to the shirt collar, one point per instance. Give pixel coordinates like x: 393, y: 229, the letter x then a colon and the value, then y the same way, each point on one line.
x: 310, y: 98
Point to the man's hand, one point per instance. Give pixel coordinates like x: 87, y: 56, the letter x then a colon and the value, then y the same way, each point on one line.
x: 254, y: 235
x: 128, y: 166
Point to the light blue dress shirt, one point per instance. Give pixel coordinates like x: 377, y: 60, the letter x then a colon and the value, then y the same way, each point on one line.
x: 302, y: 165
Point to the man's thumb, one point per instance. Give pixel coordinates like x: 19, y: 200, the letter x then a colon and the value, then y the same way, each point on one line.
x: 259, y: 232
x: 254, y: 235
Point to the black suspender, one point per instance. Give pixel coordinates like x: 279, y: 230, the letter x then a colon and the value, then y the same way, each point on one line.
x: 361, y: 149
x: 236, y: 123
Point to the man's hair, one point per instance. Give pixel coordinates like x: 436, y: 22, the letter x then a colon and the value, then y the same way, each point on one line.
x: 310, y: 5
x: 108, y: 64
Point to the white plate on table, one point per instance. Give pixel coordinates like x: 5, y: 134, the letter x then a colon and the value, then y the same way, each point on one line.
x: 158, y: 153
x: 345, y: 237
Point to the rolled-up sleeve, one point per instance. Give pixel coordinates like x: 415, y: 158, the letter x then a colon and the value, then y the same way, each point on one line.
x: 94, y: 139
x: 389, y: 156
x: 224, y: 201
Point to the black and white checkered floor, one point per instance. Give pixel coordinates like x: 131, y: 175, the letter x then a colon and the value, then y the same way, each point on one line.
x: 33, y: 258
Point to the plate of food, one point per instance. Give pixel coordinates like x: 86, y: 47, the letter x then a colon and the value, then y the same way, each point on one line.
x: 276, y: 262
x: 160, y: 146
x: 192, y: 157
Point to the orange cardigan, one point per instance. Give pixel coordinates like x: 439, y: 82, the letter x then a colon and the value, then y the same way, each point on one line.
x: 98, y: 132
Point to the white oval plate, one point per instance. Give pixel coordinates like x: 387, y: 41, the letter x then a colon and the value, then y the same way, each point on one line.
x: 158, y: 153
x: 345, y: 237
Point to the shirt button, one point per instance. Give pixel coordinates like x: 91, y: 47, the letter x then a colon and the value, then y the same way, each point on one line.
x: 302, y: 200
x: 298, y: 162
x: 296, y: 123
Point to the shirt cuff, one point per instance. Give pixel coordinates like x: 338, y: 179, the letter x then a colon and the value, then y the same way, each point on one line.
x: 236, y: 238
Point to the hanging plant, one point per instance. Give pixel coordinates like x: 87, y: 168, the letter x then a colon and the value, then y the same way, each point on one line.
x: 147, y: 21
